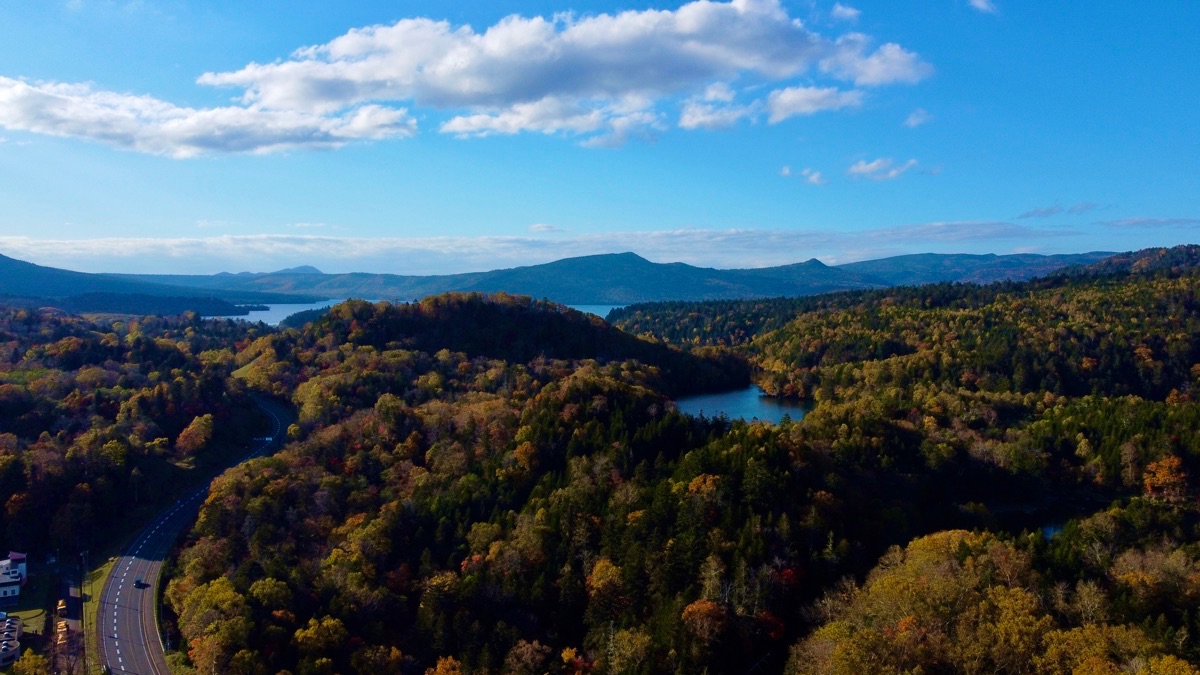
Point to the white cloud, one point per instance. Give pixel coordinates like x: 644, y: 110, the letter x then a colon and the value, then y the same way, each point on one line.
x: 785, y: 103
x: 880, y: 169
x: 602, y: 78
x: 719, y: 91
x: 548, y: 115
x: 890, y: 63
x: 731, y: 248
x: 714, y: 109
x: 845, y: 12
x: 544, y: 228
x: 146, y: 124
x: 522, y: 60
x: 984, y: 6
x: 916, y: 118
x: 697, y: 115
x: 813, y: 177
x: 809, y: 175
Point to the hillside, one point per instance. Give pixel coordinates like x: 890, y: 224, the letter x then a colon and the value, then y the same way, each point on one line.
x: 928, y: 268
x: 625, y: 278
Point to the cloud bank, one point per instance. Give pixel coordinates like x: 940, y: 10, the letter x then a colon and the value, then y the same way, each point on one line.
x: 601, y: 78
x: 733, y: 248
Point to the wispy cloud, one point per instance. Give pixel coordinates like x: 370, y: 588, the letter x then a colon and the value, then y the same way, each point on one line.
x: 1043, y: 212
x: 602, y: 78
x: 1082, y: 208
x: 545, y: 228
x: 883, y: 168
x: 793, y: 101
x: 889, y: 64
x: 733, y: 248
x: 916, y: 118
x: 813, y: 177
x: 1153, y: 223
x: 809, y: 175
x: 984, y: 6
x: 702, y: 115
x: 845, y: 12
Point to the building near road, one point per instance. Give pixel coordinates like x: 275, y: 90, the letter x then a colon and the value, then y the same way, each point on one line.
x: 12, y: 577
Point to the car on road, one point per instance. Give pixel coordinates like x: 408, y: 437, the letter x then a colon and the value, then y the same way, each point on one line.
x: 138, y: 583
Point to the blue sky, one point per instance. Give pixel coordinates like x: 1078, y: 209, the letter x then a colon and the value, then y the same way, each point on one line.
x: 427, y: 137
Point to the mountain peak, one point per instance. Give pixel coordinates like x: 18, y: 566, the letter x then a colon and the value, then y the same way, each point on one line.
x: 303, y: 269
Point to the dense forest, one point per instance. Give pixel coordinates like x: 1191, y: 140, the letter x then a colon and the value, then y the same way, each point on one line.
x: 98, y: 420
x: 992, y: 479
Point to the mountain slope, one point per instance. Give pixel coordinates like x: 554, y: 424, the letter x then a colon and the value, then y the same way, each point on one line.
x: 25, y: 283
x: 624, y: 278
x: 926, y: 268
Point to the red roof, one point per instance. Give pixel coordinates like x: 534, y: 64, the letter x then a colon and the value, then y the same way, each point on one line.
x: 14, y: 556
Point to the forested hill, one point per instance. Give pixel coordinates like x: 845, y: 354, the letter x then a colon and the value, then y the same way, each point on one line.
x: 738, y: 322
x: 517, y: 329
x: 1151, y: 261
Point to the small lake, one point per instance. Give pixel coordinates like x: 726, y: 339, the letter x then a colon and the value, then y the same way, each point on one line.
x: 276, y: 313
x: 749, y: 403
x: 599, y: 310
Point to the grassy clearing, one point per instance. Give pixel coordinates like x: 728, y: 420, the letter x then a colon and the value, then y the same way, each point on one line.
x: 36, y: 597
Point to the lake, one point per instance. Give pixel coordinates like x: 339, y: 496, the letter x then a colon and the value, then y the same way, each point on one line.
x: 599, y: 310
x: 749, y: 403
x: 276, y: 313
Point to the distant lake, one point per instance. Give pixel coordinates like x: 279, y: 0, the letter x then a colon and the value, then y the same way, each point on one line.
x: 599, y: 310
x: 749, y: 403
x: 276, y: 313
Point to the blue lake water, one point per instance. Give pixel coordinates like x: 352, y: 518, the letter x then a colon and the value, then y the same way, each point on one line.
x: 276, y: 313
x: 747, y: 404
x: 599, y: 310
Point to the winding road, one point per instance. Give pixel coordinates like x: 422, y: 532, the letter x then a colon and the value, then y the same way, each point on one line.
x: 129, y: 636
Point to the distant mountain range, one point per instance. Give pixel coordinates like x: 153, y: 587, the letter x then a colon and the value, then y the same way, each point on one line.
x: 623, y: 278
x: 610, y: 279
x: 24, y: 284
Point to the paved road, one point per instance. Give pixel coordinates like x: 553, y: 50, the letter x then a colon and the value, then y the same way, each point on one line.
x: 130, y: 641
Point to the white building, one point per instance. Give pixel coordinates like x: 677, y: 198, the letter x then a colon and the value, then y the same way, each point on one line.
x: 12, y: 578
